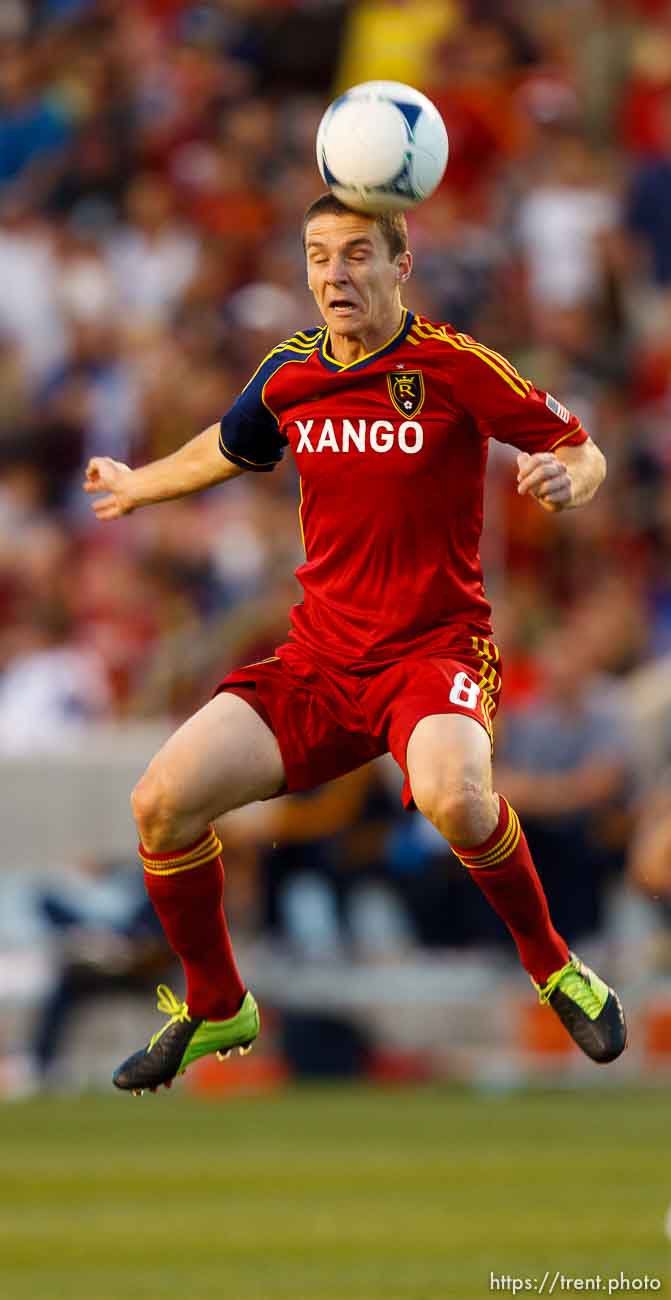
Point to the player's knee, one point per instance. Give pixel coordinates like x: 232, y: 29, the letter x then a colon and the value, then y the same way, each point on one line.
x: 461, y: 810
x: 154, y: 809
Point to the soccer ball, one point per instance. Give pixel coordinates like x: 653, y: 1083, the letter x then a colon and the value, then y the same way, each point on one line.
x: 382, y: 147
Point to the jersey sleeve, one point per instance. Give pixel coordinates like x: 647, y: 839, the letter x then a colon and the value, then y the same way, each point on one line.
x: 249, y: 433
x: 509, y: 408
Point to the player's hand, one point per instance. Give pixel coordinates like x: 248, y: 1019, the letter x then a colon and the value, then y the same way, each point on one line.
x: 544, y: 477
x: 114, y: 478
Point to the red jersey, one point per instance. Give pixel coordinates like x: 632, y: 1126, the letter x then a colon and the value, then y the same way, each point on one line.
x: 391, y: 452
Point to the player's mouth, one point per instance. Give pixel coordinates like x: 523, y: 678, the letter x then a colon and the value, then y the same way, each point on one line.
x: 342, y: 306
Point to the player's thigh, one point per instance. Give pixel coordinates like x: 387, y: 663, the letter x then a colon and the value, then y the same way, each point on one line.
x: 449, y: 764
x: 438, y: 712
x: 223, y: 757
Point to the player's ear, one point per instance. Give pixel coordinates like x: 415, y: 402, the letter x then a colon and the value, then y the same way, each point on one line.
x: 404, y: 266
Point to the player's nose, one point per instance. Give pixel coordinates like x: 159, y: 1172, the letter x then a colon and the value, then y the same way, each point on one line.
x: 336, y: 271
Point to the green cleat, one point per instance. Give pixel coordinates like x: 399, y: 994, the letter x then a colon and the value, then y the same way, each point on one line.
x: 183, y: 1040
x: 590, y: 1010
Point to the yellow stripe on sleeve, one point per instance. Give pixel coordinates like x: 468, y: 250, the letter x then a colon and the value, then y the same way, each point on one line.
x: 302, y: 347
x: 496, y: 356
x: 506, y: 371
x: 235, y: 456
x: 571, y: 433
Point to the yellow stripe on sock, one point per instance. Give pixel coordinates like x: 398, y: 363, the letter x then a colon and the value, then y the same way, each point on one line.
x: 153, y: 869
x: 158, y: 869
x: 502, y: 843
x: 204, y: 852
x: 186, y: 855
x: 503, y: 847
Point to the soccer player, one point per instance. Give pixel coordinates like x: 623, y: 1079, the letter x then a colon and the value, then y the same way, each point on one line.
x: 388, y: 417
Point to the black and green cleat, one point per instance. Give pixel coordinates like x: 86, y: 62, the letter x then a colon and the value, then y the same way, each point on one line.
x: 182, y: 1040
x: 590, y: 1010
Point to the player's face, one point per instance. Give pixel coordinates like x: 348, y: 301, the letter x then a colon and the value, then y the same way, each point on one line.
x: 354, y: 280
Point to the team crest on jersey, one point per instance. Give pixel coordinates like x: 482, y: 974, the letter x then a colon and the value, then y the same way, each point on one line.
x: 406, y: 389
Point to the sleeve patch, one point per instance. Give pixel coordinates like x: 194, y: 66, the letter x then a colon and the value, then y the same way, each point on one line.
x: 557, y: 408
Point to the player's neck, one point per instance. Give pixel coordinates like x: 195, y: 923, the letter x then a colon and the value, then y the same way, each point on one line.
x: 347, y: 348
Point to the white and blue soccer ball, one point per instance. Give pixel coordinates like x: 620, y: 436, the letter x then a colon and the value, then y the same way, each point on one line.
x: 382, y: 147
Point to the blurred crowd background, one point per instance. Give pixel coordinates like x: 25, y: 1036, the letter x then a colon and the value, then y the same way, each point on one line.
x: 156, y: 157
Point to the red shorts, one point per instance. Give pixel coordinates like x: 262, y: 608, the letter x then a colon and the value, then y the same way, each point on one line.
x: 329, y: 721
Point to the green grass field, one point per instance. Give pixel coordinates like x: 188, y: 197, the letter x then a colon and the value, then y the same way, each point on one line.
x: 329, y: 1194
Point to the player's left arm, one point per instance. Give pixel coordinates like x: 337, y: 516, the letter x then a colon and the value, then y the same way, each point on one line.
x: 562, y: 479
x: 558, y: 463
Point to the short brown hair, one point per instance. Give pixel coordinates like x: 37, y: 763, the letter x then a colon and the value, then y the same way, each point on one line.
x: 393, y: 225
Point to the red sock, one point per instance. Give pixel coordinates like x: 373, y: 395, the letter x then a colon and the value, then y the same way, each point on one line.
x: 503, y: 869
x: 186, y: 888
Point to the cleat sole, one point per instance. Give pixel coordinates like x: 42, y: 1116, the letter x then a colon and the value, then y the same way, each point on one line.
x: 223, y: 1056
x: 245, y: 1048
x: 137, y: 1092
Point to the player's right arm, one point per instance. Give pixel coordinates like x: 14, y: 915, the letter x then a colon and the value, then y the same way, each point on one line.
x: 247, y: 438
x: 198, y: 464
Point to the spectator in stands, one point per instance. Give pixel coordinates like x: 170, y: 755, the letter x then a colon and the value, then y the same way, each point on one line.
x: 566, y: 225
x: 650, y: 855
x: 49, y: 688
x: 394, y: 40
x: 650, y: 202
x: 153, y: 256
x: 566, y: 758
x: 105, y: 938
x: 34, y: 130
x: 30, y: 313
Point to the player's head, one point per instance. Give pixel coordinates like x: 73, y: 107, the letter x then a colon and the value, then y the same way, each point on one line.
x: 356, y: 263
